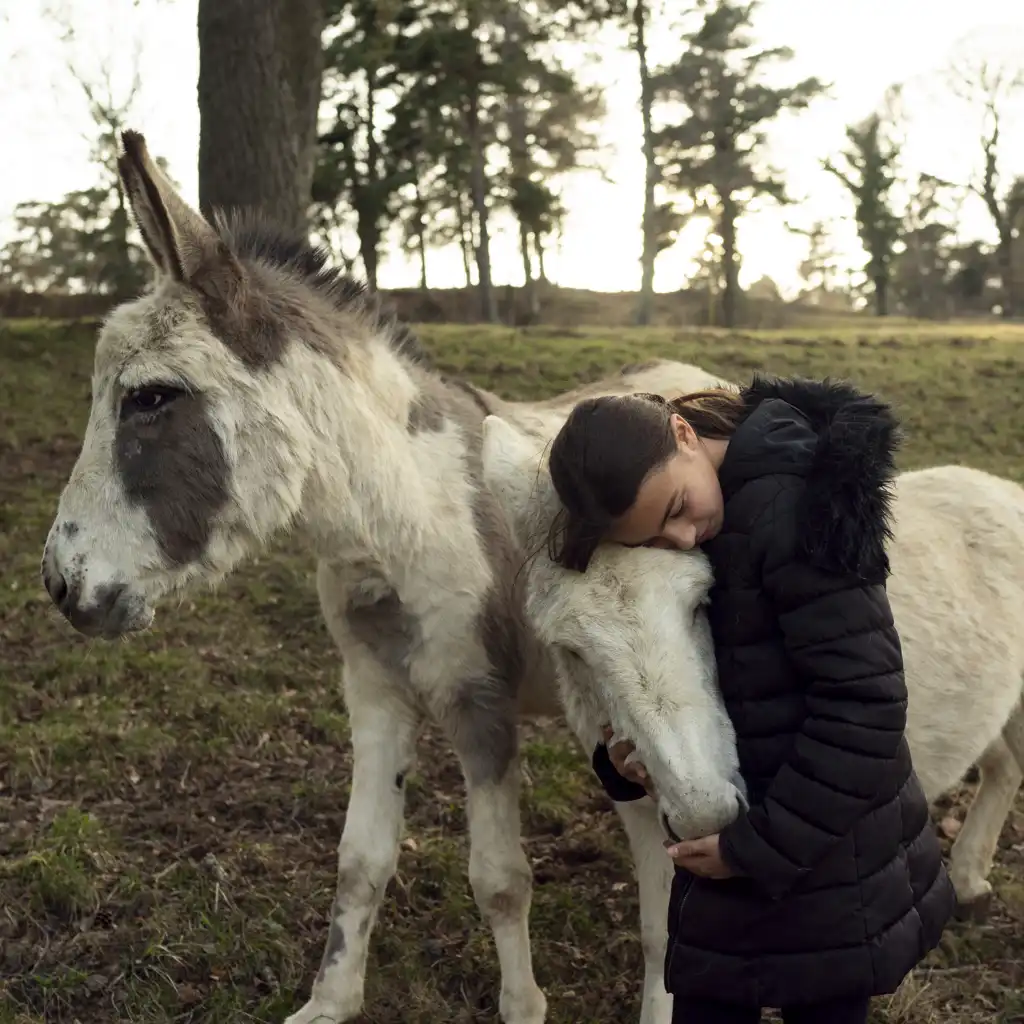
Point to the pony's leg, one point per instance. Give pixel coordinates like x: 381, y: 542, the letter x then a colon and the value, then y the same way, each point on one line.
x: 975, y: 846
x: 654, y: 881
x: 384, y: 730
x: 483, y: 731
x: 1013, y: 733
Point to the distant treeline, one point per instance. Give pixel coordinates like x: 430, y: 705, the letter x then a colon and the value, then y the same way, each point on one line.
x: 437, y: 117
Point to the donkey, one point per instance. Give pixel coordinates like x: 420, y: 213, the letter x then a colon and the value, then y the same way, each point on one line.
x: 957, y: 593
x: 252, y: 390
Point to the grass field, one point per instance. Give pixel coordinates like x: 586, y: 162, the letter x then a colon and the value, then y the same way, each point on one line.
x: 170, y: 806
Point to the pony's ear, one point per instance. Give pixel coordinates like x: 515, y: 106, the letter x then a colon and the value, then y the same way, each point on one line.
x: 179, y: 240
x: 514, y: 470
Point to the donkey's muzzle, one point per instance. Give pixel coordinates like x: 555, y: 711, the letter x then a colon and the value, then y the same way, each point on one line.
x: 109, y: 613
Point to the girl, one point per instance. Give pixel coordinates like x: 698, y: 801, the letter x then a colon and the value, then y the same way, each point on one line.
x: 831, y: 887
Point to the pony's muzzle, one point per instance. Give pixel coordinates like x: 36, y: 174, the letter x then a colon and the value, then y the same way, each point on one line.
x: 106, y: 615
x: 112, y: 610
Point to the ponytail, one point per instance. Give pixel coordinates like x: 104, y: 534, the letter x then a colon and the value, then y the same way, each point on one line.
x: 714, y: 413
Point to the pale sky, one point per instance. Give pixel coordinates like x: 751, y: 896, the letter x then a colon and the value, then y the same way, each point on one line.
x: 861, y: 48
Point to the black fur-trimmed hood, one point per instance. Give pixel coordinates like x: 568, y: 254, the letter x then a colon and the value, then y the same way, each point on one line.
x: 844, y: 442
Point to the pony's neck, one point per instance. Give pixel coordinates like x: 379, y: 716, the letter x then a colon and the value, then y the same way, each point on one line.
x: 370, y: 491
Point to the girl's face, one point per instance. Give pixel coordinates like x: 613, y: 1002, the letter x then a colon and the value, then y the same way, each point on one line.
x: 679, y: 504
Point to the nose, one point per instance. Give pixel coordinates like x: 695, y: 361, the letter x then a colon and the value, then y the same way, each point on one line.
x: 682, y: 536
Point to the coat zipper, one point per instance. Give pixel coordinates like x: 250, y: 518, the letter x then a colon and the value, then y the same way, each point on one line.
x: 682, y: 902
x: 670, y: 950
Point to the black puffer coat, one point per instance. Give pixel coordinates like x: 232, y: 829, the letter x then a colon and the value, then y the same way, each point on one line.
x: 841, y: 888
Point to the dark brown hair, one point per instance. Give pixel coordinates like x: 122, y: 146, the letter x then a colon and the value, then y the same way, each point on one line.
x: 607, y: 448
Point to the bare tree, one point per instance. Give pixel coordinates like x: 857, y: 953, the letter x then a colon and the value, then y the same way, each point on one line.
x: 87, y: 240
x: 260, y: 64
x: 110, y: 116
x: 991, y: 84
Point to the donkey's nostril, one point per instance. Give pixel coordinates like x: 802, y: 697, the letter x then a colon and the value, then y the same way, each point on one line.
x: 741, y: 799
x: 108, y: 597
x: 57, y: 588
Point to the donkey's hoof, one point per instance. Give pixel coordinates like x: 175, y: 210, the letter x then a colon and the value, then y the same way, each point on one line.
x: 976, y: 910
x: 315, y: 1012
x: 526, y: 1007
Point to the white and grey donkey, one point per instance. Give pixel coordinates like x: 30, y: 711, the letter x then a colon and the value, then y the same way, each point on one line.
x: 252, y: 390
x: 957, y: 594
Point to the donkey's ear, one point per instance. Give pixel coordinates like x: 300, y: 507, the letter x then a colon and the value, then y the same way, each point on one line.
x: 513, y: 467
x: 180, y: 241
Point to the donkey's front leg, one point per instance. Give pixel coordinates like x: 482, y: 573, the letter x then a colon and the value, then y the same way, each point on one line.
x: 483, y: 732
x: 384, y: 730
x: 654, y: 879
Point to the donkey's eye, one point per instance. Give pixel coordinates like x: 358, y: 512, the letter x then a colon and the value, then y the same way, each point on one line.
x: 148, y: 399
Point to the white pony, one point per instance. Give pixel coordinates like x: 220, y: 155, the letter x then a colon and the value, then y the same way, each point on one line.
x: 957, y: 593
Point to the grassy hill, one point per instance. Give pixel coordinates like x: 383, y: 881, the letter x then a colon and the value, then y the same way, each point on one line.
x: 170, y: 806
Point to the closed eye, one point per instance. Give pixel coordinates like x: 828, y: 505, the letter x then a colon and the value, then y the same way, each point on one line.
x: 674, y: 509
x: 148, y: 400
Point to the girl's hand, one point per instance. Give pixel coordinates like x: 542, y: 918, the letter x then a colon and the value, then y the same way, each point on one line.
x: 634, y: 770
x: 699, y: 856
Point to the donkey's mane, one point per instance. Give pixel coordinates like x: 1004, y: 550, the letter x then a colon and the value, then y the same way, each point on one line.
x: 258, y: 240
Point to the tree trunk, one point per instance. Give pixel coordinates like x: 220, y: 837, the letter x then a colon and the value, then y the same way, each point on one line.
x: 1004, y: 260
x: 538, y: 245
x: 369, y: 238
x: 465, y: 240
x: 730, y: 268
x: 881, y: 283
x: 478, y: 190
x: 260, y: 63
x: 365, y: 194
x: 530, y: 286
x: 370, y: 214
x: 423, y: 263
x: 121, y: 220
x: 643, y: 311
x: 518, y: 145
x: 421, y: 231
